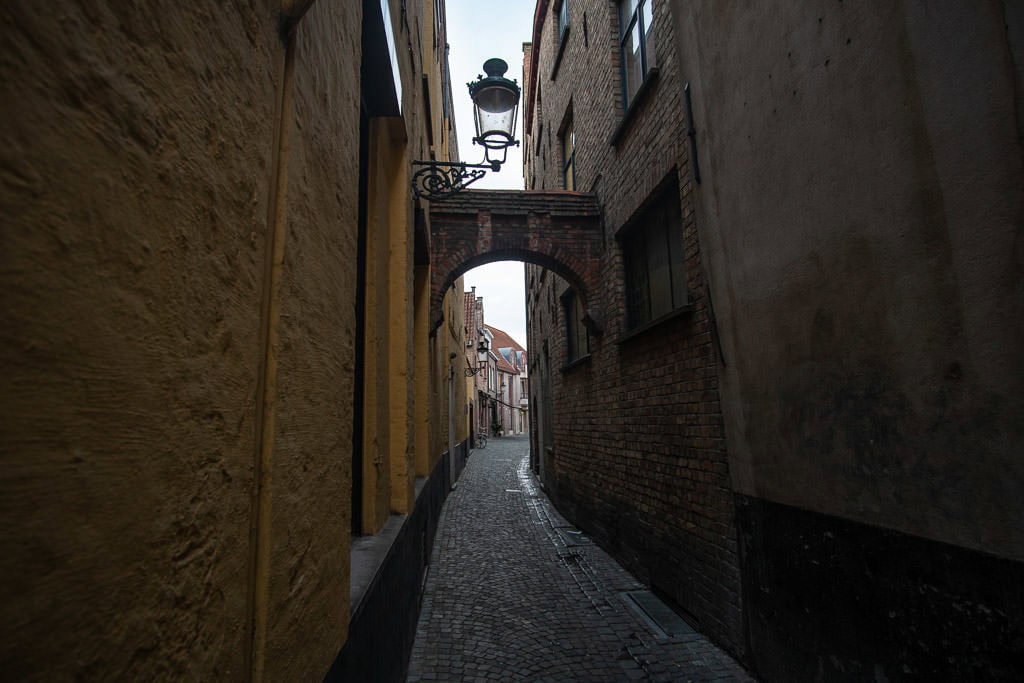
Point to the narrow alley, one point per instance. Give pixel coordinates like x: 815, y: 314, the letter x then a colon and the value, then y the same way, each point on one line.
x: 750, y: 351
x: 515, y: 592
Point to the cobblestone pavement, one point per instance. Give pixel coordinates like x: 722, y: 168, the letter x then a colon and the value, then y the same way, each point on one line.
x: 514, y: 592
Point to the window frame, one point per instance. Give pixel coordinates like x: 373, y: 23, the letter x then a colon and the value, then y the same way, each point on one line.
x: 647, y: 64
x: 577, y: 345
x: 562, y: 28
x: 568, y: 160
x: 562, y: 19
x: 658, y: 219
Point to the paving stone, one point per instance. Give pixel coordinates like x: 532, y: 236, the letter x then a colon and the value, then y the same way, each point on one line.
x: 515, y: 593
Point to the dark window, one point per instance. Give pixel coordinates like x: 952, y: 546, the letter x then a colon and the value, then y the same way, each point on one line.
x: 653, y: 254
x: 636, y: 45
x: 437, y: 26
x: 446, y: 94
x: 577, y: 336
x: 568, y: 158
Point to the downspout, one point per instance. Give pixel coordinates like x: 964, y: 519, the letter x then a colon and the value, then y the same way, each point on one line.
x: 451, y: 421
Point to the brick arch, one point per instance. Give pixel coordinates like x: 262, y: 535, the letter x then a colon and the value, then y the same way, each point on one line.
x: 560, y: 231
x: 540, y: 259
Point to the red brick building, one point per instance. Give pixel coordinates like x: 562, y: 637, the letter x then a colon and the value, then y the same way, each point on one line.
x: 800, y: 413
x: 629, y: 428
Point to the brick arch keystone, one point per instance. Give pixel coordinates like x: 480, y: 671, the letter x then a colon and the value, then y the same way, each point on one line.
x: 558, y: 230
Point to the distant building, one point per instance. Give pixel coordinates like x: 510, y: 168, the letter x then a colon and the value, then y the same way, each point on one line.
x: 482, y: 381
x: 513, y: 408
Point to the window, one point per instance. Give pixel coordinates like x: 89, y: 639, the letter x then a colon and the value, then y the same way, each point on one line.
x: 652, y: 251
x: 389, y: 33
x: 437, y: 27
x: 568, y: 157
x: 446, y: 84
x: 636, y: 45
x: 577, y: 336
x: 563, y: 19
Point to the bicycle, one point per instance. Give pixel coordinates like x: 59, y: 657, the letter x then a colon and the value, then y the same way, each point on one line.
x: 481, y: 440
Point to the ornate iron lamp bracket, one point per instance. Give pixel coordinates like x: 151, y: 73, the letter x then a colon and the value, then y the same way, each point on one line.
x: 495, y: 104
x: 437, y: 180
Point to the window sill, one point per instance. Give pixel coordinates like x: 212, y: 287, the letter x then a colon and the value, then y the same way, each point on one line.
x: 657, y: 322
x: 579, y: 362
x: 641, y: 95
x: 368, y: 554
x: 561, y: 49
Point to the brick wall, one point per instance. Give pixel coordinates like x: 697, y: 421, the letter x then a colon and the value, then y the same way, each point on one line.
x: 639, y: 456
x: 558, y: 229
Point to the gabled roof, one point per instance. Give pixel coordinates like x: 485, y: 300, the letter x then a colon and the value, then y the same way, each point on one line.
x: 502, y: 340
x: 504, y: 365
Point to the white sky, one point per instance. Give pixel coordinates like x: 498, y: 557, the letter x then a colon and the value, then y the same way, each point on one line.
x: 477, y: 31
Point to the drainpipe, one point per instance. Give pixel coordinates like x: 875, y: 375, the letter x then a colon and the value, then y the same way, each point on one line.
x: 451, y: 420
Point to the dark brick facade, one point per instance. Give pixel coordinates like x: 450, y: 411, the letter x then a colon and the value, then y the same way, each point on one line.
x: 633, y: 450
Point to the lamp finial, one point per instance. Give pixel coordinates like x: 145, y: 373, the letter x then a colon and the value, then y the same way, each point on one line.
x: 495, y: 68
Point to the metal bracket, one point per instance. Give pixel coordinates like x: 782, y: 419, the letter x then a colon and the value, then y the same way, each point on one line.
x: 438, y: 180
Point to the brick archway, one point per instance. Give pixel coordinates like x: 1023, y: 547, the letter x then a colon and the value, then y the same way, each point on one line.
x: 559, y: 230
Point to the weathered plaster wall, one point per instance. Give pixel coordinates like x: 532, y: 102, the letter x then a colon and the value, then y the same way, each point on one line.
x: 133, y: 185
x: 310, y: 480
x: 400, y: 341
x: 861, y: 214
x: 159, y: 359
x: 377, y: 446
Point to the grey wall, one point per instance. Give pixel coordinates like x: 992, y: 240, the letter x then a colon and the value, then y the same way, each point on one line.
x: 860, y: 217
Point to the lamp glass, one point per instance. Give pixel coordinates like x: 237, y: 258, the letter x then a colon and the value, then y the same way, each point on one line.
x: 495, y: 110
x: 495, y: 103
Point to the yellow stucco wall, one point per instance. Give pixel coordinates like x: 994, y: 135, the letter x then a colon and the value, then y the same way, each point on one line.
x: 301, y: 593
x: 180, y: 193
x: 135, y: 223
x: 406, y: 414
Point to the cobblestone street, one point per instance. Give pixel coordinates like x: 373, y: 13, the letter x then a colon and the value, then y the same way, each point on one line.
x: 514, y: 592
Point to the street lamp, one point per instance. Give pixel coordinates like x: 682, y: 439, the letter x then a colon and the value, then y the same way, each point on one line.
x: 495, y: 107
x: 481, y: 355
x: 495, y: 104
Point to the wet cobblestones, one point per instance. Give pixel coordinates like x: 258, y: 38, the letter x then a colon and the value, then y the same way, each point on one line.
x: 514, y: 592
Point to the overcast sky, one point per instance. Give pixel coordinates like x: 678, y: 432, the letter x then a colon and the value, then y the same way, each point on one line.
x: 477, y: 31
